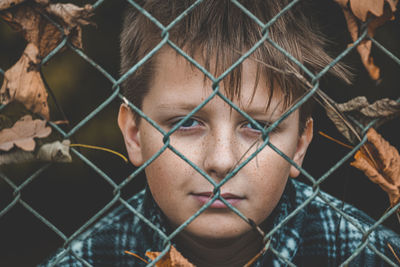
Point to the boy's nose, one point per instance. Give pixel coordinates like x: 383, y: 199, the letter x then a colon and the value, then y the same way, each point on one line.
x: 219, y: 158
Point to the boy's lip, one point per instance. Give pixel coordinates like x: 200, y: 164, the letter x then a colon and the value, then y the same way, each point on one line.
x: 224, y: 195
x: 204, y: 198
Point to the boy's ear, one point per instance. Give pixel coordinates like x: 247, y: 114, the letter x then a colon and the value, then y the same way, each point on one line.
x: 130, y: 131
x: 302, y: 145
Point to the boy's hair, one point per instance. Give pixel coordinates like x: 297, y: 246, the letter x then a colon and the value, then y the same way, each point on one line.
x: 221, y: 32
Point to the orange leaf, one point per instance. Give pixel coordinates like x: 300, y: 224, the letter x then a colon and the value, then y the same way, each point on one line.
x: 381, y: 164
x: 360, y: 10
x: 172, y: 259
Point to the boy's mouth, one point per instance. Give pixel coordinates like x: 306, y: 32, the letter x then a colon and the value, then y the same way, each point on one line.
x: 205, y: 197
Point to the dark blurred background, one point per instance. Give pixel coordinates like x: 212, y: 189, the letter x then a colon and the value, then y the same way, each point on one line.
x: 69, y: 194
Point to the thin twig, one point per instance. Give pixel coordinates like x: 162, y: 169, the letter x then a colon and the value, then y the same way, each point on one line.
x: 262, y: 251
x: 101, y: 148
x: 137, y: 256
x: 335, y: 140
x: 394, y: 253
x: 58, y: 106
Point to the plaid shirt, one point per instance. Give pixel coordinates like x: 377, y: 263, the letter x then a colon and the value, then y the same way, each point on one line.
x: 316, y: 236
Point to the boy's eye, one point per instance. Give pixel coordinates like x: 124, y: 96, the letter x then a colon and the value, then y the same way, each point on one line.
x: 188, y: 124
x: 253, y: 127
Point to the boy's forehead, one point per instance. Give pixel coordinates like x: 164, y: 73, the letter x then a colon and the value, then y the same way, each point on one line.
x: 173, y: 71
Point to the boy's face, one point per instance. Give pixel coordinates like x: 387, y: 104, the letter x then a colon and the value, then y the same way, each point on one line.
x: 215, y: 139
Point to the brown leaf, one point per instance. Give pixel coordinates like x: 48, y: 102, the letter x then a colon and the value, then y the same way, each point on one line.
x: 364, y: 49
x: 361, y: 8
x: 362, y: 111
x: 352, y: 23
x: 22, y: 133
x: 71, y: 15
x: 28, y: 18
x: 25, y: 19
x: 381, y: 164
x: 379, y: 11
x: 22, y: 82
x: 172, y: 259
x: 342, y: 3
x: 37, y: 30
x: 4, y: 4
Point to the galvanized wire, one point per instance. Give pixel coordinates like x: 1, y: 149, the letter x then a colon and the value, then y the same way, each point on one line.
x: 214, y: 93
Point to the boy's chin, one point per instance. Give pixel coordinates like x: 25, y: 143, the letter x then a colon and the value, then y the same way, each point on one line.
x: 217, y: 232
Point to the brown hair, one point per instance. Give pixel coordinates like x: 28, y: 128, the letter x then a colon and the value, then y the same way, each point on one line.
x: 222, y: 32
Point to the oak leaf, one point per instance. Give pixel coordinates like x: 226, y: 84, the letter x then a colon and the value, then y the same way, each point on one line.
x: 172, y: 259
x: 380, y: 162
x: 363, y: 112
x: 22, y: 134
x: 23, y: 82
x: 378, y: 12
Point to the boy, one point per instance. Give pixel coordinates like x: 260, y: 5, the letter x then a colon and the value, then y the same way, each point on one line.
x: 216, y: 139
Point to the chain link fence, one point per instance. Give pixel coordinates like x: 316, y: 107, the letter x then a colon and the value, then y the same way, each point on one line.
x: 17, y: 190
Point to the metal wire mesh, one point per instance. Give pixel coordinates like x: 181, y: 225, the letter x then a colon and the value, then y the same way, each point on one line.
x: 216, y: 93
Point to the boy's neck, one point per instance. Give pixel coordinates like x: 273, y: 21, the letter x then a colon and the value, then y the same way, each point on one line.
x: 232, y: 252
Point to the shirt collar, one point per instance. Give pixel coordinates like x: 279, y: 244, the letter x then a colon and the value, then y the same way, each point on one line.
x: 287, y: 238
x: 154, y: 239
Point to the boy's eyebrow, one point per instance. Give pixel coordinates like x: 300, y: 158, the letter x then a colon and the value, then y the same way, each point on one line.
x: 273, y: 112
x: 251, y: 111
x: 180, y: 106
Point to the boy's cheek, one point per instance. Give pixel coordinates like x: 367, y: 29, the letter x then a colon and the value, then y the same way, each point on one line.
x: 151, y: 142
x: 167, y: 169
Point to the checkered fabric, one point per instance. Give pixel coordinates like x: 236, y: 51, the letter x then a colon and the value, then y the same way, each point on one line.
x: 316, y: 236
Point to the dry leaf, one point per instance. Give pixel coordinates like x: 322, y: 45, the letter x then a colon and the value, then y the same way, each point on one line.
x: 172, y: 259
x: 22, y: 82
x: 359, y: 109
x: 4, y: 4
x: 22, y: 133
x: 382, y: 165
x: 360, y: 10
x: 71, y: 15
x: 28, y: 19
x: 55, y: 152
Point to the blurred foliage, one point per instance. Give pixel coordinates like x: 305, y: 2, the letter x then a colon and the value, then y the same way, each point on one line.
x: 69, y: 194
